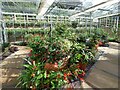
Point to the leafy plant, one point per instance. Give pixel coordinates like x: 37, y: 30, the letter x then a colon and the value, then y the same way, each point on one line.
x: 4, y: 45
x: 74, y: 24
x: 53, y: 61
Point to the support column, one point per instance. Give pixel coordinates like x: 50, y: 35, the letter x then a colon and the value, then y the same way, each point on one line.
x: 85, y: 23
x: 3, y: 33
x: 117, y: 23
x: 106, y: 21
x: 90, y: 21
x: 51, y: 26
x: 1, y: 39
x: 14, y: 17
x: 27, y: 20
x: 48, y: 18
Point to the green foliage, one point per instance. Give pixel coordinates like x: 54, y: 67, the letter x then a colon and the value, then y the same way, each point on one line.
x: 54, y: 50
x: 74, y: 24
x: 25, y: 31
x: 4, y: 45
x: 22, y: 43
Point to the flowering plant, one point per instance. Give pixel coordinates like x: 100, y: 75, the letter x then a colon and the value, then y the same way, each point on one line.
x: 53, y: 61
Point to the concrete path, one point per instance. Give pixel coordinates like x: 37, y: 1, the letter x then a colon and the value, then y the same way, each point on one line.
x: 104, y: 74
x: 11, y: 67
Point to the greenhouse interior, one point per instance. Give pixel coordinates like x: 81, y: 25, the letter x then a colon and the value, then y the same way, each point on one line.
x: 59, y: 44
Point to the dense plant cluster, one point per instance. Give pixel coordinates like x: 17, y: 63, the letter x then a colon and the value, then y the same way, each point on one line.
x: 57, y: 59
x: 25, y: 31
x: 4, y: 45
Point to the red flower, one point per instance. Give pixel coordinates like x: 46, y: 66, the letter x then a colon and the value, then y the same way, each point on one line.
x: 57, y: 52
x: 83, y: 73
x: 58, y: 75
x: 36, y: 55
x: 45, y: 58
x: 54, y: 58
x: 81, y: 79
x: 78, y: 66
x: 29, y: 54
x: 69, y: 74
x: 30, y: 51
x: 65, y: 75
x: 65, y: 78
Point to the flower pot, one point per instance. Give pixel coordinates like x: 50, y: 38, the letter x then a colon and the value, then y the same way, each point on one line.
x: 96, y: 46
x: 82, y: 66
x: 33, y: 88
x: 100, y: 43
x: 54, y: 67
x: 50, y: 67
x: 46, y: 86
x: 15, y: 48
x: 69, y: 87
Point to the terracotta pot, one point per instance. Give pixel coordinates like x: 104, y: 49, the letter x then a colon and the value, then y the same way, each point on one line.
x: 15, y: 48
x: 53, y: 67
x: 33, y: 88
x: 11, y: 49
x: 69, y: 88
x: 100, y: 43
x: 50, y: 67
x: 82, y: 66
x: 46, y: 86
x: 96, y: 46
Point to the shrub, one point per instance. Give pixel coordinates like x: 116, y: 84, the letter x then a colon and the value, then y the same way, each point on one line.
x: 54, y: 61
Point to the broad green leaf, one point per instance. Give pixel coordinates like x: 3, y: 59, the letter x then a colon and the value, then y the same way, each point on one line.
x: 45, y: 74
x: 40, y: 76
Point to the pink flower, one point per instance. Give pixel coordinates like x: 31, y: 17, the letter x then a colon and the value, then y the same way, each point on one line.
x: 33, y: 62
x: 56, y: 65
x: 29, y: 54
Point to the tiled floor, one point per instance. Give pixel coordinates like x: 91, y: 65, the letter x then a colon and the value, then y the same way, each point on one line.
x: 105, y: 72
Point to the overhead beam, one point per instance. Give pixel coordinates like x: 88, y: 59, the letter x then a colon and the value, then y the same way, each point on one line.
x: 10, y: 13
x: 95, y: 7
x: 107, y: 15
x: 43, y: 7
x: 104, y: 9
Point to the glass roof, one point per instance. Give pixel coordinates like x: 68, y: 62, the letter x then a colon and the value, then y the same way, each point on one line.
x: 71, y: 7
x: 59, y: 7
x: 20, y: 6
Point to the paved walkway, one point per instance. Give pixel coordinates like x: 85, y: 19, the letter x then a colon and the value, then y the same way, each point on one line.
x: 104, y: 73
x: 11, y: 66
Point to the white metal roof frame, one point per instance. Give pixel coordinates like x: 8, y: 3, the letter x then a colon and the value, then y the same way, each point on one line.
x: 93, y: 8
x: 44, y: 6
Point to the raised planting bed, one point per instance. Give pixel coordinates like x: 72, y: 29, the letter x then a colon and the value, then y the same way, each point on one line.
x: 58, y: 59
